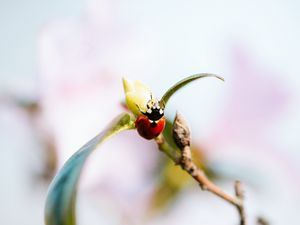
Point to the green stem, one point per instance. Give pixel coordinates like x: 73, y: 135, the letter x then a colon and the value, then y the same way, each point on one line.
x: 166, y: 148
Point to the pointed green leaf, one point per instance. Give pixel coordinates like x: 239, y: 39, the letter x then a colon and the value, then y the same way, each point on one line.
x: 61, y: 199
x: 164, y: 100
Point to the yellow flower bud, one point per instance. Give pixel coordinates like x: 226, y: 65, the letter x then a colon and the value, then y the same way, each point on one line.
x: 137, y: 95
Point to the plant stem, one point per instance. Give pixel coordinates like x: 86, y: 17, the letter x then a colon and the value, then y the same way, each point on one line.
x: 181, y: 136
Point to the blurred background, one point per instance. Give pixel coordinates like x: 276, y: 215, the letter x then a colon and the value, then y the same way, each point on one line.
x: 61, y: 65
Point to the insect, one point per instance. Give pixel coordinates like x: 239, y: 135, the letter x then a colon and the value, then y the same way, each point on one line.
x: 152, y: 122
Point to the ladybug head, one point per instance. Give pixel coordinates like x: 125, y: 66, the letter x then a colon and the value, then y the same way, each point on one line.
x: 155, y: 110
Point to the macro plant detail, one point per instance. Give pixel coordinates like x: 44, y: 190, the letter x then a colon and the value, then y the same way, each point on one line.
x: 147, y: 117
x: 140, y: 101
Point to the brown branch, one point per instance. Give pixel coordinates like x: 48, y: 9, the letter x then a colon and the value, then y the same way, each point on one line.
x: 239, y: 193
x: 181, y: 135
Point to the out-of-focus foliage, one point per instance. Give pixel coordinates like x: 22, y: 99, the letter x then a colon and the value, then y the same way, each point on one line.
x: 61, y: 199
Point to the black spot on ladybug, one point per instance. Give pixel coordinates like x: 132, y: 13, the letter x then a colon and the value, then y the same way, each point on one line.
x: 153, y: 124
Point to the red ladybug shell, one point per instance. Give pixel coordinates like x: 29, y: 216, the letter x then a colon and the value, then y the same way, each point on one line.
x: 148, y: 130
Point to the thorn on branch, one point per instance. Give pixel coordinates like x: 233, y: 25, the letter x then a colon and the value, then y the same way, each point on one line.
x: 262, y: 221
x: 181, y: 132
x: 182, y: 138
x: 238, y: 190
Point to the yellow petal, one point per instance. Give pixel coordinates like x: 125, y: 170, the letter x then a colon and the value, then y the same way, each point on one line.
x: 127, y: 85
x: 136, y: 93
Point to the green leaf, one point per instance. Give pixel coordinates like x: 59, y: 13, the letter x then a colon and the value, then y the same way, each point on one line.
x: 164, y: 100
x: 61, y: 199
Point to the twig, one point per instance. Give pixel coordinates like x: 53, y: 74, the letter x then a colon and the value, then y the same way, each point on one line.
x: 239, y: 193
x: 181, y: 135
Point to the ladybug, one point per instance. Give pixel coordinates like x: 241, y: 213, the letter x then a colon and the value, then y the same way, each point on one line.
x: 152, y: 122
